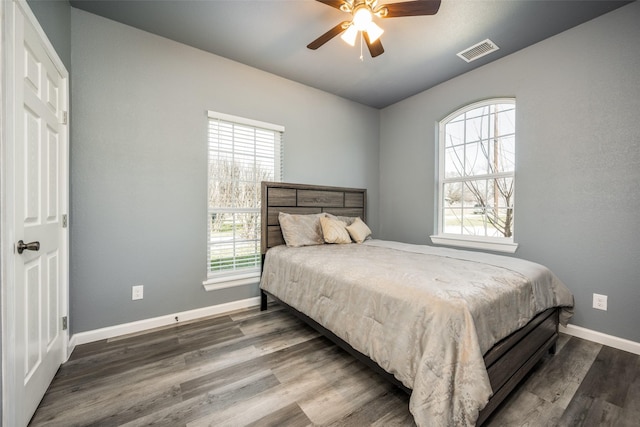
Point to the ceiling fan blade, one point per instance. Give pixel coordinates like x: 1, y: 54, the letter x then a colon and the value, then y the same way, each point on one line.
x: 333, y: 3
x: 375, y: 48
x: 411, y: 8
x: 328, y: 35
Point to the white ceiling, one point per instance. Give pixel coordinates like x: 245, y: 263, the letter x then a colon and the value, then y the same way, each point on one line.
x: 420, y: 51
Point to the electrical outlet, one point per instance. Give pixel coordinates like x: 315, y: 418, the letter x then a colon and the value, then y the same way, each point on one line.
x: 137, y: 292
x: 600, y: 302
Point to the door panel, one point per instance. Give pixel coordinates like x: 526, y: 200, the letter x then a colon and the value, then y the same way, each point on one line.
x: 53, y: 291
x: 37, y: 289
x: 41, y: 219
x: 31, y: 318
x: 30, y: 167
x: 53, y: 171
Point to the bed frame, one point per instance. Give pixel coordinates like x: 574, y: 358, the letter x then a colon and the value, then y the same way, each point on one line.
x: 507, y: 362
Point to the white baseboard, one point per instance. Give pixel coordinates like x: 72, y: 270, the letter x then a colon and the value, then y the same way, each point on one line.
x: 600, y: 338
x: 156, y: 322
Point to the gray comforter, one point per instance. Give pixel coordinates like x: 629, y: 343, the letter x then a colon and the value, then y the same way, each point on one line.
x: 425, y: 314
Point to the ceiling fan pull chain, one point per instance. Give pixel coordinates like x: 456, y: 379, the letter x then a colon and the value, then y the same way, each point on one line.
x: 361, y: 55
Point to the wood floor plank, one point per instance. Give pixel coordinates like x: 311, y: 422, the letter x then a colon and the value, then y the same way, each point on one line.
x: 286, y: 333
x: 560, y: 376
x: 386, y: 409
x: 83, y: 391
x: 204, y: 404
x: 289, y: 416
x: 139, y: 352
x: 111, y: 397
x: 603, y: 413
x: 394, y: 418
x: 219, y: 378
x: 259, y: 406
x: 562, y: 340
x: 175, y: 330
x: 321, y: 358
x: 152, y: 375
x: 631, y: 410
x: 271, y: 322
x: 586, y: 411
x: 123, y: 363
x: 341, y: 391
x: 524, y: 406
x: 602, y: 393
x: 281, y: 357
x: 610, y: 376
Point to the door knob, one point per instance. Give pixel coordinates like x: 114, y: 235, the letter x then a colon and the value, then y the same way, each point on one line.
x: 31, y: 246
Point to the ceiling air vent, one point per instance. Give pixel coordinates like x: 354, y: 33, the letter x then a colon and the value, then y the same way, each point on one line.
x: 479, y: 50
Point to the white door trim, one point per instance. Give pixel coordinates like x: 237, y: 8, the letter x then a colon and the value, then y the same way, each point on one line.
x: 7, y: 192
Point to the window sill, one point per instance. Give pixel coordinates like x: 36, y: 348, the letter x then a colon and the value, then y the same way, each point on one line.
x: 471, y: 243
x: 216, y: 283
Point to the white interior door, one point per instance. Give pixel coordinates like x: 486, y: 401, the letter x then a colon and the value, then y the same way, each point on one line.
x: 37, y: 288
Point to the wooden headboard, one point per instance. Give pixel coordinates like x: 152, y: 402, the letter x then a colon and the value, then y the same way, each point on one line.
x: 305, y: 199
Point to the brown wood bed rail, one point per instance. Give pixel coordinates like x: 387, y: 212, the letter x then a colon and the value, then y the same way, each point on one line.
x: 507, y: 362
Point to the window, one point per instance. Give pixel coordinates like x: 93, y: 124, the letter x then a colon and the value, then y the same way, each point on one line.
x: 476, y: 176
x: 242, y: 153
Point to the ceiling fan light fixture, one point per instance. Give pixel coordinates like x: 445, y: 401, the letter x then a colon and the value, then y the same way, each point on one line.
x: 362, y: 18
x: 374, y: 31
x: 349, y: 36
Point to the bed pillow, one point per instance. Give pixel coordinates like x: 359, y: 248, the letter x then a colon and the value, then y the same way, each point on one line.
x: 301, y: 230
x: 359, y: 231
x: 334, y: 230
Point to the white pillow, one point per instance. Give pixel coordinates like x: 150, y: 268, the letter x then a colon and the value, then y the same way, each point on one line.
x: 359, y: 231
x: 334, y: 230
x: 301, y: 230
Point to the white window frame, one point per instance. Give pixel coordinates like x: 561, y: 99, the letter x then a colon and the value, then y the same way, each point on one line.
x: 498, y: 244
x: 245, y: 276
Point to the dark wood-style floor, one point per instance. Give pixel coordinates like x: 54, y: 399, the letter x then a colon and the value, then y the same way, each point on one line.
x: 250, y: 368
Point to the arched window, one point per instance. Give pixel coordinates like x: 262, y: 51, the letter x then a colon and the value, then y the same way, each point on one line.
x: 476, y: 171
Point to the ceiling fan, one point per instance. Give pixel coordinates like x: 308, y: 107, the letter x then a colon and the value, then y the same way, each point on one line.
x: 363, y: 12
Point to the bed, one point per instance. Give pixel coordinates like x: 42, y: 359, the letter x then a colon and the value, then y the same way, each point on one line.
x: 458, y: 350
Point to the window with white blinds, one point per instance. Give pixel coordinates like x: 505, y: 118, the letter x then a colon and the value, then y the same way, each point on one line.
x: 242, y: 153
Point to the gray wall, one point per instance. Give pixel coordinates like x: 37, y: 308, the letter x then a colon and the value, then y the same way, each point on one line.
x: 139, y: 163
x: 54, y: 17
x: 578, y: 161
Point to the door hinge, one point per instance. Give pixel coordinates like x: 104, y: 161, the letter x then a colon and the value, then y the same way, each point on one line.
x: 64, y: 323
x: 65, y: 221
x: 65, y: 117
